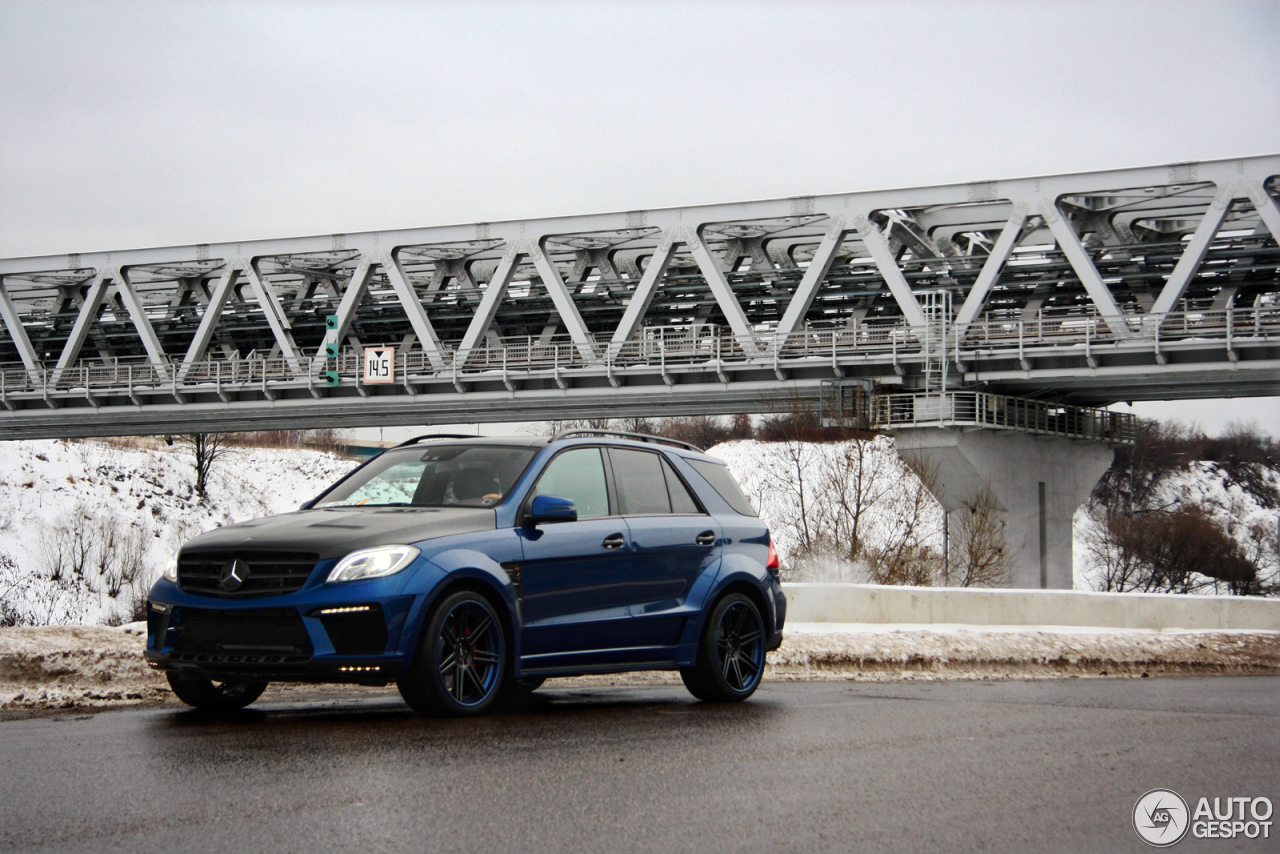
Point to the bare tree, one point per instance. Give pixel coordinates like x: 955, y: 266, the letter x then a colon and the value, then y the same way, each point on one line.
x: 208, y: 448
x: 978, y: 545
x: 906, y: 555
x: 703, y: 431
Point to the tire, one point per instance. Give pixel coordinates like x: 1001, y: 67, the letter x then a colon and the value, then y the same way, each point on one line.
x: 524, y: 685
x: 730, y: 657
x: 210, y: 696
x: 460, y: 661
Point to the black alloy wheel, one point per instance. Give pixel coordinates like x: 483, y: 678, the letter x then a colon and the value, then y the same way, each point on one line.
x: 460, y: 660
x: 211, y: 696
x: 730, y: 658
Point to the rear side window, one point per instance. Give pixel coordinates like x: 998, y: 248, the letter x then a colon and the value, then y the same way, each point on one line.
x: 642, y: 487
x: 681, y: 500
x: 722, y: 481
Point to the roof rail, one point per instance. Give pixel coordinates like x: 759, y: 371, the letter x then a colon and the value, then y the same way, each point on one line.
x: 639, y: 437
x: 416, y: 439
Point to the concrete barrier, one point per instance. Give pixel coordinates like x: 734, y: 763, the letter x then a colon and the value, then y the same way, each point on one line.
x: 872, y: 603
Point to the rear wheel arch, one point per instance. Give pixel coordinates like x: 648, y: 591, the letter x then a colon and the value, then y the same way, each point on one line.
x: 747, y: 589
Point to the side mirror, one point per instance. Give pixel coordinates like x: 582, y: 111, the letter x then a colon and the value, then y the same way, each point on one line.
x: 551, y: 508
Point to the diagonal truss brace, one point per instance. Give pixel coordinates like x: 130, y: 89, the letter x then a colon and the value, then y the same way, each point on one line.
x: 643, y: 295
x: 209, y: 320
x: 1193, y: 254
x: 138, y: 314
x: 276, y: 318
x: 888, y: 266
x: 563, y: 301
x: 990, y: 273
x: 1080, y: 261
x: 13, y: 322
x: 1266, y: 207
x: 817, y: 270
x: 89, y: 309
x: 497, y: 291
x: 351, y: 297
x: 413, y: 309
x: 494, y: 293
x: 713, y: 271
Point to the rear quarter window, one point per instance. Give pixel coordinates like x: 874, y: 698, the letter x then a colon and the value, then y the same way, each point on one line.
x: 722, y: 481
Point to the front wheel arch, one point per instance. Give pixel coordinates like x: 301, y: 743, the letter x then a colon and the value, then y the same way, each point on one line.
x: 479, y: 658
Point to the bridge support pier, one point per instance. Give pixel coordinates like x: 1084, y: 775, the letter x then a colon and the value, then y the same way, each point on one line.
x: 1039, y: 482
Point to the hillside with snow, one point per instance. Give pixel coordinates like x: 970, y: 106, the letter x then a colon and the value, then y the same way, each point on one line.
x: 87, y: 526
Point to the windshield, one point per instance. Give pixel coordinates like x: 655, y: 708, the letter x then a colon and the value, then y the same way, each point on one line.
x: 442, y: 476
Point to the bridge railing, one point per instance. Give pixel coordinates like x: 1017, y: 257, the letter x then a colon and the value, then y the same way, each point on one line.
x: 981, y: 409
x: 660, y: 347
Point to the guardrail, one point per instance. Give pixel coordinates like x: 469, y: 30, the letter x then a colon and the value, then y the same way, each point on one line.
x: 662, y: 347
x: 874, y: 603
x: 981, y: 409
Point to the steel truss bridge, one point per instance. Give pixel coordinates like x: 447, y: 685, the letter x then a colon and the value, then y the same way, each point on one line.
x: 1148, y: 283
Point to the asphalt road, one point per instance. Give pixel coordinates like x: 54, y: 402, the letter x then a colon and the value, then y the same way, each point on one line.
x: 931, y: 767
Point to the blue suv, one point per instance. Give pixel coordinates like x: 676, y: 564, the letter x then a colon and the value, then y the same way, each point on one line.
x: 460, y: 567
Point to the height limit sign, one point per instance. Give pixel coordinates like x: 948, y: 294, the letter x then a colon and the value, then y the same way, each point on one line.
x: 379, y: 365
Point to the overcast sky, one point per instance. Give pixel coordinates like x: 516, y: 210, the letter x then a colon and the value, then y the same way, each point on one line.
x: 133, y: 124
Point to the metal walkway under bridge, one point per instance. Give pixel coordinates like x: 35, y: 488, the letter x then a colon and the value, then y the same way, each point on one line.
x: 1147, y: 283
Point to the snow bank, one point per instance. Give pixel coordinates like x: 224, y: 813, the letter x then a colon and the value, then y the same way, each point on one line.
x: 86, y: 526
x: 846, y: 651
x: 65, y: 666
x: 1203, y: 483
x: 96, y: 666
x: 817, y: 498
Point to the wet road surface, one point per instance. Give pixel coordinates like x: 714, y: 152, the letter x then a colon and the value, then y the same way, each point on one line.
x: 936, y: 767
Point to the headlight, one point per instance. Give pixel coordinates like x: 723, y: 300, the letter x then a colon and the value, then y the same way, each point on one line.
x: 373, y: 563
x: 171, y: 571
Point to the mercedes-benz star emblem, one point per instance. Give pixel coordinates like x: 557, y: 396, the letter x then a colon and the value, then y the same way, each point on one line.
x: 234, y: 573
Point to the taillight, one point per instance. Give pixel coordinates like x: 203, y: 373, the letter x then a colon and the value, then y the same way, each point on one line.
x: 772, y: 563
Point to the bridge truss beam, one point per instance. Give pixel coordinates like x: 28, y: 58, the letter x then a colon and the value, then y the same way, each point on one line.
x: 1155, y: 282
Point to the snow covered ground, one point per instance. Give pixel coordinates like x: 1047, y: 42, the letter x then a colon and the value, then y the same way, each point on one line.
x: 86, y: 526
x: 803, y: 489
x: 1239, y: 511
x: 818, y: 497
x: 97, y: 666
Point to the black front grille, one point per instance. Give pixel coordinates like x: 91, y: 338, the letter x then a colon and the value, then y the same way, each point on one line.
x: 260, y: 573
x: 241, y: 633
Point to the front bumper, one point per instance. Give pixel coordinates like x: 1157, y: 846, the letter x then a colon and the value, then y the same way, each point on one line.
x: 358, y: 641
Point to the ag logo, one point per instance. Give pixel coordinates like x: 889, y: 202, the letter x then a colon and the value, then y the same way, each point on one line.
x: 1160, y: 817
x: 234, y: 573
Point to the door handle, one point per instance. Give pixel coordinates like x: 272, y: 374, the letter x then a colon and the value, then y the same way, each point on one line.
x: 614, y: 541
x: 706, y: 538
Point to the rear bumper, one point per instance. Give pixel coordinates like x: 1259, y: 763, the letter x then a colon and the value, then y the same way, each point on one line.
x: 779, y: 613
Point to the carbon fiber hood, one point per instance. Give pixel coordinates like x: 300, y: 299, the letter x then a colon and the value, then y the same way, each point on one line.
x: 332, y: 532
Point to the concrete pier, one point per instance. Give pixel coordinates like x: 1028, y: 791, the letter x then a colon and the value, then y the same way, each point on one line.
x: 1039, y: 482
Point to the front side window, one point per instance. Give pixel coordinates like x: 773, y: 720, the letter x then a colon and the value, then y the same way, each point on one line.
x: 440, y: 476
x: 578, y: 475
